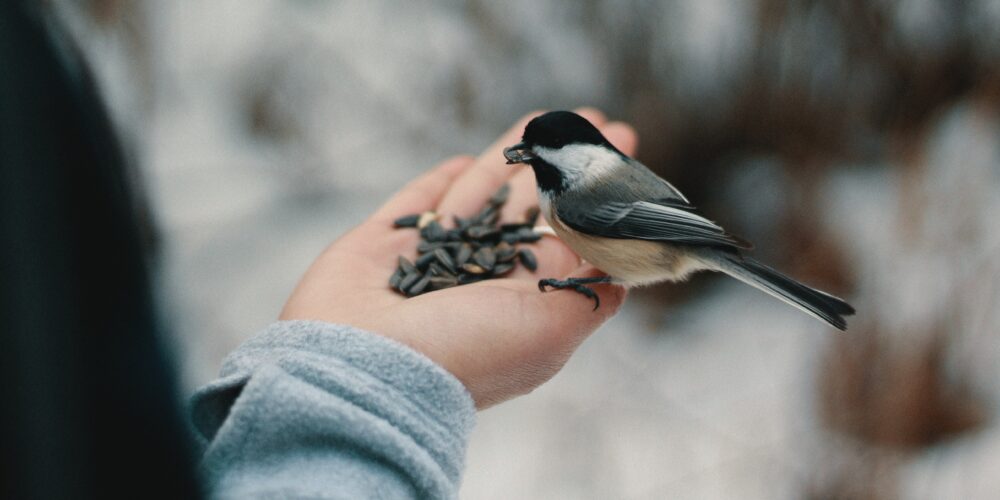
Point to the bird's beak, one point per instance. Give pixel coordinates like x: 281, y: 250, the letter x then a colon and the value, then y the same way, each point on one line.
x: 518, y: 153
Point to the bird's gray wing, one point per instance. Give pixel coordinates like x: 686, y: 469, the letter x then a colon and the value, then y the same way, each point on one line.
x: 665, y: 220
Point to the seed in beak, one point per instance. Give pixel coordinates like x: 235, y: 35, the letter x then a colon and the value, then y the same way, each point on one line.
x: 517, y: 154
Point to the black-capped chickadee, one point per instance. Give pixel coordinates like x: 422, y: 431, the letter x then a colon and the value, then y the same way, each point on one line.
x: 636, y: 227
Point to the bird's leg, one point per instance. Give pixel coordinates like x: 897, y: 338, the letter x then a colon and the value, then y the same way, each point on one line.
x: 577, y: 284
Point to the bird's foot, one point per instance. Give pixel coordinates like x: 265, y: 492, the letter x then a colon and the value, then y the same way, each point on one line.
x: 577, y: 285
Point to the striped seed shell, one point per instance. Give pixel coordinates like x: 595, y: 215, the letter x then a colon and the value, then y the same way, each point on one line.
x: 510, y: 238
x: 407, y: 221
x: 409, y: 280
x: 395, y: 279
x: 424, y: 260
x: 445, y: 259
x: 485, y: 257
x: 500, y: 197
x: 442, y: 282
x: 528, y: 259
x: 505, y: 252
x: 481, y: 232
x: 465, y: 279
x: 428, y: 246
x: 513, y: 226
x: 419, y: 286
x: 473, y: 268
x: 531, y: 215
x: 433, y: 232
x: 426, y: 218
x: 406, y: 266
x: 462, y: 254
x: 435, y: 269
x: 503, y: 268
x: 528, y: 235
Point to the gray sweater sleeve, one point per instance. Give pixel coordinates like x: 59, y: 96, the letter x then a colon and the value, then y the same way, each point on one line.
x: 315, y: 410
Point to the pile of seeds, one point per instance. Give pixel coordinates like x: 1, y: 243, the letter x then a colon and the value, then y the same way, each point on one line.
x: 476, y: 249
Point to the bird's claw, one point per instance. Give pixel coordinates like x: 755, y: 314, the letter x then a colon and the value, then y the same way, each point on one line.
x: 575, y: 285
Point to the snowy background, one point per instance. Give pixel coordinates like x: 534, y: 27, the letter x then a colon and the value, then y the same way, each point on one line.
x: 857, y: 142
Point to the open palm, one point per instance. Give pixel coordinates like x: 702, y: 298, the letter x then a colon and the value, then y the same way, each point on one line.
x: 500, y: 337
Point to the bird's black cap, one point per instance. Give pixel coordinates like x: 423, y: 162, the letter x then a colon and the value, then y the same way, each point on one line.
x: 556, y: 129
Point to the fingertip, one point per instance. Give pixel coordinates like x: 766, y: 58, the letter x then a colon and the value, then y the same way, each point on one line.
x: 592, y: 114
x: 622, y: 135
x: 455, y: 164
x: 523, y: 121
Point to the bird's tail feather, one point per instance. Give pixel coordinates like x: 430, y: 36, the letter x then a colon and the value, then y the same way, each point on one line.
x: 822, y: 305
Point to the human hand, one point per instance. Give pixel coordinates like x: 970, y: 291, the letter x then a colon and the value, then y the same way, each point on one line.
x: 502, y: 337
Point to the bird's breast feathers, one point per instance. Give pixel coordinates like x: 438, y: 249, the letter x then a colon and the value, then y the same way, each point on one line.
x: 629, y: 262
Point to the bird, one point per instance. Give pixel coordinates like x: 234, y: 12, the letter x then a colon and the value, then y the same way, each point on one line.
x: 634, y: 226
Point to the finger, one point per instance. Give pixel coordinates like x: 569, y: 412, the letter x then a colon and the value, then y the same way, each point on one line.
x: 622, y: 136
x: 491, y: 170
x: 425, y: 192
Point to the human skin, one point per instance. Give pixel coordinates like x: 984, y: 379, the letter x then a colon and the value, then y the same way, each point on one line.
x: 501, y: 338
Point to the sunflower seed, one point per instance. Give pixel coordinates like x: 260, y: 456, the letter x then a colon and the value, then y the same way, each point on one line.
x: 465, y: 279
x: 485, y: 257
x: 445, y: 259
x: 513, y: 226
x: 424, y: 260
x: 500, y: 197
x: 505, y: 252
x: 502, y: 269
x: 435, y: 269
x: 528, y: 260
x: 433, y: 232
x: 407, y: 221
x: 419, y: 286
x: 475, y: 249
x: 426, y: 218
x: 531, y: 215
x: 491, y: 218
x: 462, y: 254
x: 427, y: 246
x: 395, y: 279
x: 406, y: 266
x: 487, y: 216
x: 409, y: 280
x: 528, y: 235
x: 442, y: 282
x: 473, y: 268
x: 481, y: 232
